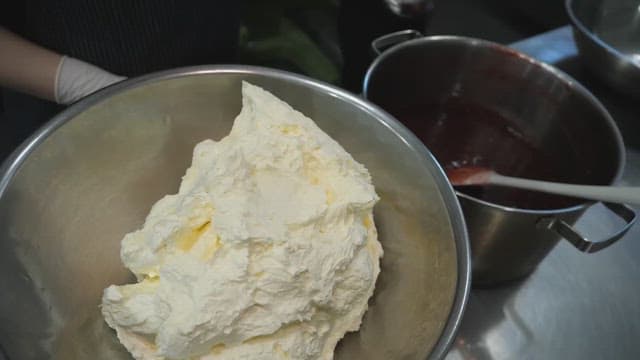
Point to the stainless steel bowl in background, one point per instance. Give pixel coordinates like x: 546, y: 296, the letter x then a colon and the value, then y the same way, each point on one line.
x: 71, y: 192
x: 553, y: 110
x: 607, y: 34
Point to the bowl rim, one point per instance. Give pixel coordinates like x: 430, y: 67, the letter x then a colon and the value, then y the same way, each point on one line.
x: 565, y: 78
x: 580, y: 26
x: 16, y: 159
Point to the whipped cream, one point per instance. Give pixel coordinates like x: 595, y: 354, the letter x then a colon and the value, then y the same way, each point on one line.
x: 267, y: 251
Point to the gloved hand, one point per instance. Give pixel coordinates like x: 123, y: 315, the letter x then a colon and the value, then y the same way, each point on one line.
x: 32, y: 69
x: 76, y: 79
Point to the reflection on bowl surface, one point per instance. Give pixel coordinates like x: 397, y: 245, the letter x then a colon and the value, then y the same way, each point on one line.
x: 607, y: 34
x: 620, y: 27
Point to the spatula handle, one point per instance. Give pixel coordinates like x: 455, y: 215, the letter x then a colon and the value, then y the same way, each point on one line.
x: 616, y: 194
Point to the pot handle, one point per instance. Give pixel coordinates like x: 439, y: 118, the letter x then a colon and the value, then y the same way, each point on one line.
x: 384, y: 42
x: 580, y: 242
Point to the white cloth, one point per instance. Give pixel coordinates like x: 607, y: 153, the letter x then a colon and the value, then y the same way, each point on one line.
x: 76, y: 79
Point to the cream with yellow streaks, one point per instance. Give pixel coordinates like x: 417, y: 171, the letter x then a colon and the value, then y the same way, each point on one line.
x: 267, y: 251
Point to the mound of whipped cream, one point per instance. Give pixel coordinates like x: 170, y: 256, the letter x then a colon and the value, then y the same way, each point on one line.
x: 267, y: 251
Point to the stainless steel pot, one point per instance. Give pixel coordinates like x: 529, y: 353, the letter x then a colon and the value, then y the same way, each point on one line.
x: 607, y: 34
x: 561, y: 116
x: 70, y: 192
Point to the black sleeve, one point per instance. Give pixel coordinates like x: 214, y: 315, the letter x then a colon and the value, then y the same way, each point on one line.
x: 12, y: 15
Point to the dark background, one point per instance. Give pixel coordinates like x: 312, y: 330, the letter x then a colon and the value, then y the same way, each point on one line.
x: 330, y: 39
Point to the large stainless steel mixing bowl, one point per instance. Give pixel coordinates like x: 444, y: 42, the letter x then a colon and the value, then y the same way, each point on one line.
x: 70, y: 193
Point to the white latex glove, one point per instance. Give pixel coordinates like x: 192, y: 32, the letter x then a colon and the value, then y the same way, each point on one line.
x: 76, y: 79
